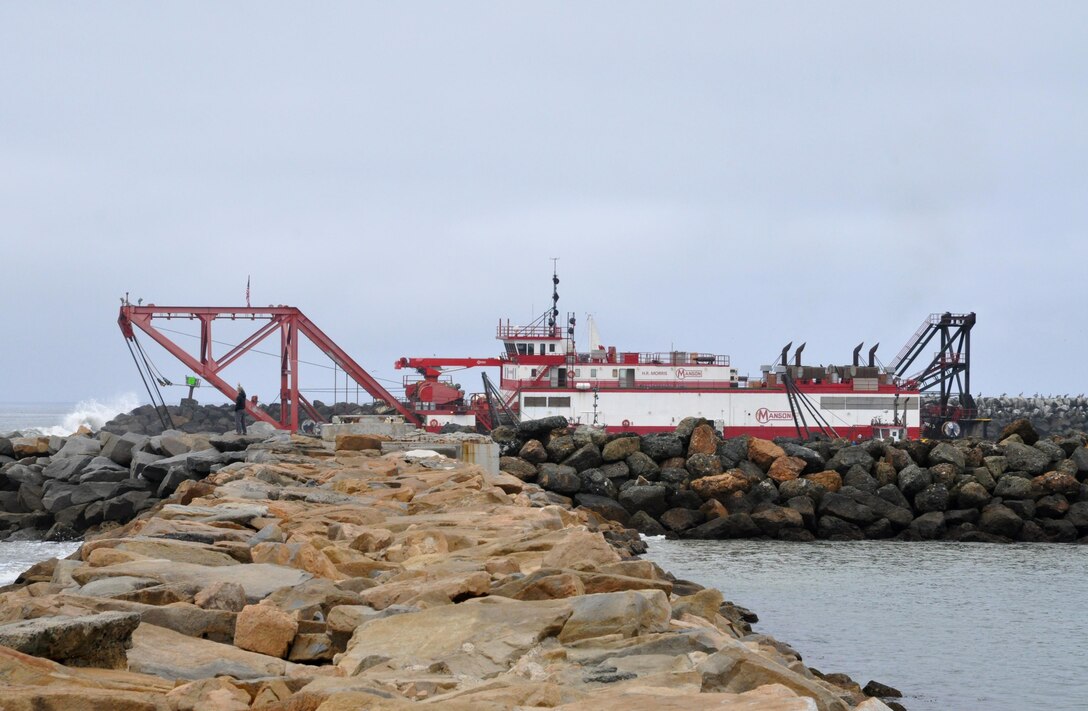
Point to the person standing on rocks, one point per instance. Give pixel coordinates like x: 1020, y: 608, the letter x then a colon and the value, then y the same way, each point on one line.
x: 240, y: 411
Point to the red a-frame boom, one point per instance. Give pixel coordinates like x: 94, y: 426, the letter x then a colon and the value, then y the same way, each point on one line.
x: 288, y: 320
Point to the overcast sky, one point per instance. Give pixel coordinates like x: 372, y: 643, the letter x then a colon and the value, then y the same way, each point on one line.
x: 717, y: 176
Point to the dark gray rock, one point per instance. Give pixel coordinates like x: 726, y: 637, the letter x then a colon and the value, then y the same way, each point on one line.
x: 836, y: 529
x: 595, y: 482
x: 800, y: 487
x: 946, y: 453
x: 559, y: 478
x: 639, y: 464
x: 662, y: 445
x: 157, y: 470
x: 124, y: 508
x: 1078, y: 515
x: 972, y: 495
x: 843, y: 507
x: 700, y: 465
x: 121, y: 449
x: 616, y: 470
x: 813, y: 461
x: 914, y: 479
x: 735, y: 525
x: 620, y: 448
x: 603, y: 506
x: 929, y: 526
x: 680, y: 520
x: 559, y: 448
x: 958, y: 517
x: 859, y: 478
x: 652, y: 499
x: 1013, y: 487
x: 880, y: 529
x: 687, y: 426
x: 518, y: 467
x: 685, y: 499
x: 532, y: 428
x: 67, y: 468
x: 804, y: 506
x: 850, y: 457
x: 893, y: 495
x: 1058, y: 530
x: 646, y: 524
x: 79, y: 446
x: 141, y: 460
x: 23, y: 474
x: 933, y: 498
x: 1080, y: 458
x: 1021, y: 457
x: 772, y: 519
x: 203, y: 462
x: 674, y: 477
x: 763, y: 492
x: 1000, y: 520
x: 585, y: 457
x: 732, y: 451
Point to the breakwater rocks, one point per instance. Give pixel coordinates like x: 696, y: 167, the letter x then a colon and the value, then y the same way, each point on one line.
x: 193, y: 418
x: 692, y: 484
x: 309, y: 579
x: 56, y: 488
x: 1047, y: 415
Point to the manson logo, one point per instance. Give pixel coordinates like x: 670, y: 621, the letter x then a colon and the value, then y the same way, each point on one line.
x: 763, y: 415
x: 683, y: 373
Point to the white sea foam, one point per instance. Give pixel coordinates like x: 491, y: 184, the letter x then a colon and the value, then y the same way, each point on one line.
x: 91, y: 414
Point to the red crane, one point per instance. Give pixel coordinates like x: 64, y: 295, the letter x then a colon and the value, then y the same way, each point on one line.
x: 290, y: 322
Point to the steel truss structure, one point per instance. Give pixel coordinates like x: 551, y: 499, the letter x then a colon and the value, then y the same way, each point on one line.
x: 288, y: 321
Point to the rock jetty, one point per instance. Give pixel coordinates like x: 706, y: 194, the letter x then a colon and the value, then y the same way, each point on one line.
x: 307, y: 576
x: 691, y: 483
x: 193, y: 418
x: 1048, y: 415
x: 57, y: 488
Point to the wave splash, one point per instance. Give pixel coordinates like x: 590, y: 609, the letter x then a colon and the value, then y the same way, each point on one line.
x: 91, y: 414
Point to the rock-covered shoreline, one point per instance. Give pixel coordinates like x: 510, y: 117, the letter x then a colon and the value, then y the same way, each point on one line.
x: 692, y: 483
x: 300, y: 577
x: 56, y: 488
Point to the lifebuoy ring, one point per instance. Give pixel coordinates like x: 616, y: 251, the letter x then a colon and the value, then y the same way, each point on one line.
x: 434, y: 423
x: 626, y: 423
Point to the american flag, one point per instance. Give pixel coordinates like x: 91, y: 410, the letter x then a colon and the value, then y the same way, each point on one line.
x: 247, y: 291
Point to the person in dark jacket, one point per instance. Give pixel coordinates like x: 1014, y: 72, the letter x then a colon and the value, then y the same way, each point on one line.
x: 240, y: 411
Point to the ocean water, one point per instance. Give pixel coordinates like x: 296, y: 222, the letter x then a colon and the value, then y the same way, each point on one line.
x: 954, y: 626
x: 15, y: 557
x: 62, y: 418
x: 50, y: 418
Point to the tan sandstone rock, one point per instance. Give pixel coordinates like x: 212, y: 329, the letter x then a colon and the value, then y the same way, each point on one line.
x: 265, y: 629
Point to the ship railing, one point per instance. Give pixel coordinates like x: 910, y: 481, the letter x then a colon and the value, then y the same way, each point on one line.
x: 682, y: 358
x: 507, y: 331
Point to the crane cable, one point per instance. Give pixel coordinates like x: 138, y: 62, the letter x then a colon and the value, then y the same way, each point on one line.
x: 167, y: 421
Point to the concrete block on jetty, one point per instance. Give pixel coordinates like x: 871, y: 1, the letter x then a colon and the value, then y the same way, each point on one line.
x: 691, y: 483
x: 296, y: 576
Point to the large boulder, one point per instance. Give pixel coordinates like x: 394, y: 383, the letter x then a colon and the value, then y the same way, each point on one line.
x: 1000, y: 520
x: 662, y: 445
x: 786, y: 468
x: 640, y: 464
x: 652, y: 499
x: 945, y: 453
x: 736, y: 525
x: 704, y: 440
x: 1022, y: 428
x: 1011, y: 486
x: 620, y: 448
x: 1022, y: 457
x: 721, y: 486
x: 813, y: 461
x: 87, y: 641
x: 913, y: 479
x: 846, y: 508
x: 848, y: 457
x: 703, y: 465
x: 559, y: 478
x: 530, y: 429
x: 763, y: 452
x: 585, y: 457
x: 933, y: 498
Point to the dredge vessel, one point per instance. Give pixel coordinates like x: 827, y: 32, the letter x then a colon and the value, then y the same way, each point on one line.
x: 542, y: 373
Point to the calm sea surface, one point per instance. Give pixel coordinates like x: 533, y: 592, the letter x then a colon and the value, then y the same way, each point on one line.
x: 954, y: 626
